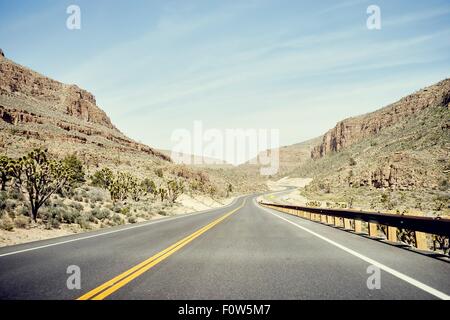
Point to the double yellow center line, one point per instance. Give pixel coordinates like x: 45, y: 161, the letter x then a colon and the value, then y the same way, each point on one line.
x: 111, y: 286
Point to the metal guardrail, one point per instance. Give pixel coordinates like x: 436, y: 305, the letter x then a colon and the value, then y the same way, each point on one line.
x: 352, y: 220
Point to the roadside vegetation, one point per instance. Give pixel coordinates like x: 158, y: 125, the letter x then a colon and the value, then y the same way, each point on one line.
x: 41, y: 190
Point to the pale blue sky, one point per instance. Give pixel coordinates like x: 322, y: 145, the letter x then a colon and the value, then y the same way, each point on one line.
x: 299, y: 66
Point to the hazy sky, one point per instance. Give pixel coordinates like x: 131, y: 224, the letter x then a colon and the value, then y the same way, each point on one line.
x: 155, y: 66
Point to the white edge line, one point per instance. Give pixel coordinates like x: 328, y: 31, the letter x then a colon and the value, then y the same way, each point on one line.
x: 414, y: 282
x: 144, y: 224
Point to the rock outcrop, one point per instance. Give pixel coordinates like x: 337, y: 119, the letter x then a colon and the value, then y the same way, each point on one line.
x: 37, y: 107
x: 353, y: 130
x: 16, y: 80
x: 398, y: 171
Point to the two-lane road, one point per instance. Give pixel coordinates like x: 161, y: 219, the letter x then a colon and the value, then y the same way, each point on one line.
x: 241, y: 251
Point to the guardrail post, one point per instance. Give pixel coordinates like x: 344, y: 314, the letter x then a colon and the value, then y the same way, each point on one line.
x: 323, y: 218
x: 421, y: 240
x: 392, y: 234
x: 373, y: 230
x: 347, y: 224
x: 358, y: 226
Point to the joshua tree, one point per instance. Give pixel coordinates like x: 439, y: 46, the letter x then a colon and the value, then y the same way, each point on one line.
x: 41, y: 177
x: 102, y: 178
x: 229, y: 189
x: 4, y: 171
x: 149, y: 186
x: 175, y: 189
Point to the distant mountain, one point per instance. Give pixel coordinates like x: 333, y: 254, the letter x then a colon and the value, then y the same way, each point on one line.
x: 290, y: 157
x: 199, y: 161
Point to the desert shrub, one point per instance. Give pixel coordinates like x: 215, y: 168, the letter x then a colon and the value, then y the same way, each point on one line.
x: 159, y: 172
x: 97, y: 195
x: 16, y: 195
x: 101, y: 214
x: 117, y: 219
x: 52, y: 224
x: 53, y: 217
x: 10, y: 205
x: 443, y: 185
x: 77, y: 206
x: 83, y: 223
x: 78, y: 197
x: 23, y: 210
x: 83, y: 193
x: 58, y: 203
x: 132, y: 219
x: 6, y: 223
x: 3, y: 198
x: 90, y: 217
x: 70, y: 216
x: 125, y: 211
x: 117, y: 208
x: 22, y: 222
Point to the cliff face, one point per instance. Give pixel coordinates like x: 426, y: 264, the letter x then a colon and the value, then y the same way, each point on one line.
x: 43, y: 110
x: 353, y: 130
x: 18, y: 81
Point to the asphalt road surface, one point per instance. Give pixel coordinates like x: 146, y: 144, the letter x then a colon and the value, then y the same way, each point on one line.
x: 241, y: 251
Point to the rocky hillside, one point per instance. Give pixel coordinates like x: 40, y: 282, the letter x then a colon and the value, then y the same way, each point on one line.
x: 36, y: 109
x: 397, y: 157
x: 353, y: 130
